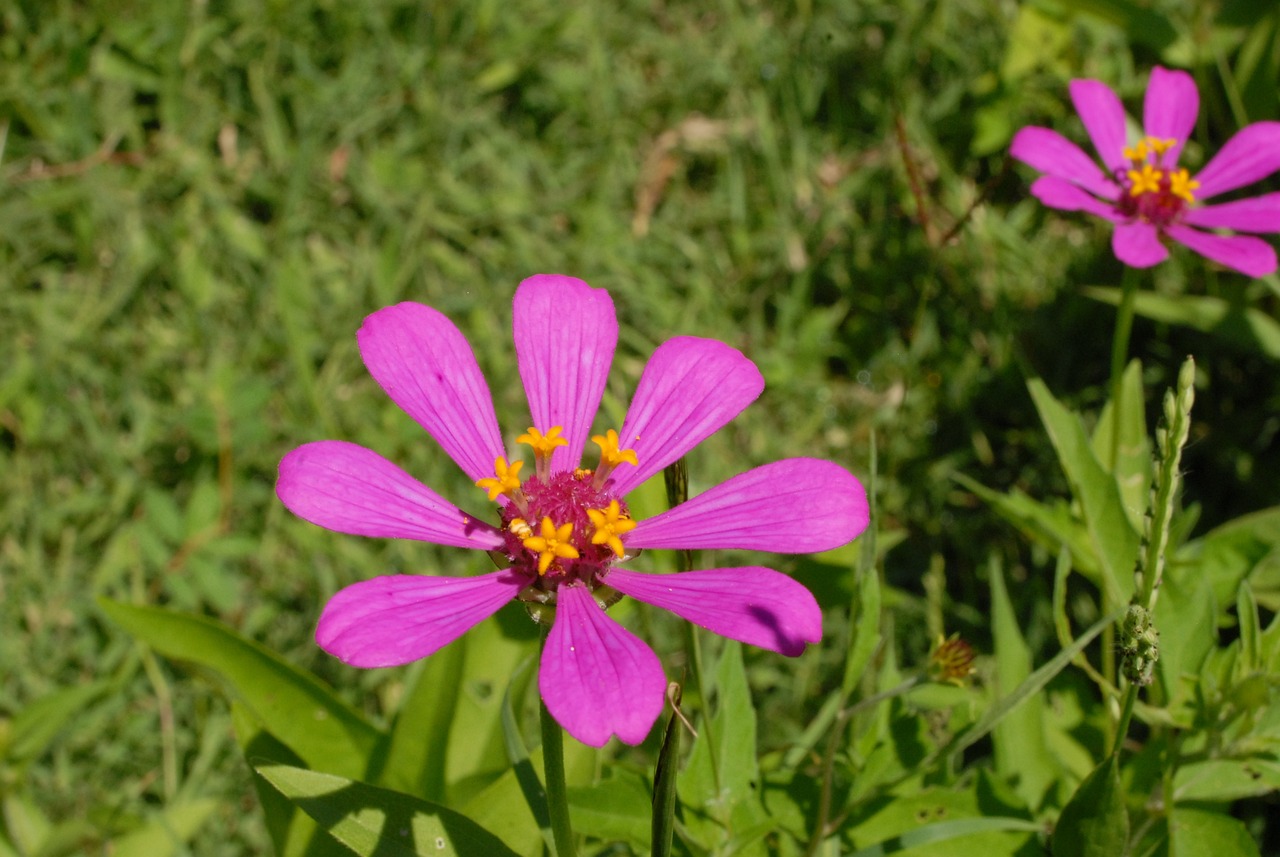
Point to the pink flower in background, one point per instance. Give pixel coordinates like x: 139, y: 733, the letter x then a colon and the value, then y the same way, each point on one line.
x: 1144, y: 192
x: 565, y: 531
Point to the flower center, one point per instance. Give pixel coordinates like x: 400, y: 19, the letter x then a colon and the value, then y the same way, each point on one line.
x: 564, y: 526
x: 1152, y: 191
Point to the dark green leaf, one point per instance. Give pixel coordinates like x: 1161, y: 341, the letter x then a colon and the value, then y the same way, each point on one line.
x: 1094, y: 822
x: 664, y: 782
x: 374, y: 821
x: 1230, y: 321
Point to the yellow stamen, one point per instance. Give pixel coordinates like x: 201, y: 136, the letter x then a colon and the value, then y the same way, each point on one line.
x: 553, y: 544
x: 610, y: 523
x: 543, y: 444
x: 610, y: 455
x: 1146, y: 181
x: 1161, y: 146
x: 506, y: 479
x: 520, y: 527
x: 581, y: 473
x: 1137, y: 153
x: 1182, y: 184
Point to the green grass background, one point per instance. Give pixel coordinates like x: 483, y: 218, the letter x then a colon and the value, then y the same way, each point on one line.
x: 199, y: 202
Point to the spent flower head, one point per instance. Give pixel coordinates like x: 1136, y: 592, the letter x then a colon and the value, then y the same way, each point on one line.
x: 564, y: 532
x: 1143, y: 190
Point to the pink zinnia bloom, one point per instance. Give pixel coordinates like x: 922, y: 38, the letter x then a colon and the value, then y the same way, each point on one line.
x: 564, y: 531
x: 1143, y: 191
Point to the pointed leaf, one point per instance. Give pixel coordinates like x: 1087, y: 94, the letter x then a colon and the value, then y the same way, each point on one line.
x: 1112, y: 538
x: 370, y: 820
x: 1094, y: 822
x: 293, y: 705
x: 1132, y: 449
x: 1199, y: 833
x: 1022, y: 755
x: 1231, y: 322
x: 664, y: 781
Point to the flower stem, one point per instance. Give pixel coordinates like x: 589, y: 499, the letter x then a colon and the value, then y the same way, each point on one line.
x: 1120, y: 353
x: 557, y: 795
x: 1126, y: 714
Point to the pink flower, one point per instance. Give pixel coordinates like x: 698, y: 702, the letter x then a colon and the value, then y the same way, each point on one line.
x: 565, y: 532
x: 1144, y: 192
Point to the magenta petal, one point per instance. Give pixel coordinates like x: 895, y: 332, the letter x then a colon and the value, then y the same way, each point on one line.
x: 1256, y: 214
x: 690, y: 388
x: 597, y: 678
x: 350, y: 489
x: 754, y: 605
x: 1170, y: 108
x: 1103, y: 116
x: 1062, y: 194
x: 1055, y: 155
x: 565, y: 334
x: 1138, y: 245
x: 388, y: 621
x: 1251, y: 154
x: 1243, y: 253
x: 427, y: 368
x: 798, y: 505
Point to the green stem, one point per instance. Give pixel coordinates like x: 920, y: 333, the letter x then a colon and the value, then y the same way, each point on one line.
x: 557, y: 795
x: 1120, y: 353
x: 1126, y: 714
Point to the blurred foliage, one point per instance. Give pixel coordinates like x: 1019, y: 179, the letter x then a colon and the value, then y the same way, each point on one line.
x: 201, y: 201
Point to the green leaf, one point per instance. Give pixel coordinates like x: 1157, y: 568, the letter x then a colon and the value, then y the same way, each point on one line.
x: 292, y: 831
x: 1132, y: 448
x: 1113, y: 540
x: 616, y: 808
x: 293, y: 705
x: 501, y: 809
x: 1185, y: 617
x: 866, y: 635
x: 374, y: 821
x: 721, y: 778
x: 723, y: 767
x: 166, y: 834
x: 494, y: 650
x: 1199, y: 833
x: 34, y: 728
x: 24, y: 822
x: 913, y: 822
x: 1250, y: 660
x: 1247, y: 547
x: 945, y: 831
x: 1021, y: 753
x: 1094, y: 822
x: 664, y: 782
x: 531, y: 784
x: 1230, y: 321
x: 1051, y: 525
x: 1220, y: 780
x: 419, y: 740
x: 1033, y: 684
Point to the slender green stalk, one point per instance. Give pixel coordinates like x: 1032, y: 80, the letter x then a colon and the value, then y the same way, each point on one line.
x: 1120, y: 354
x: 557, y: 794
x: 1126, y: 714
